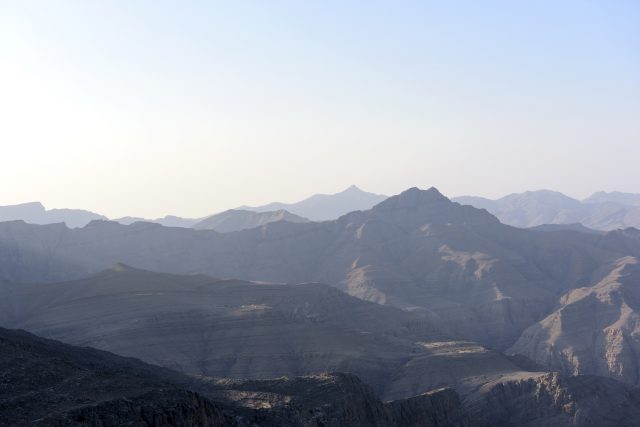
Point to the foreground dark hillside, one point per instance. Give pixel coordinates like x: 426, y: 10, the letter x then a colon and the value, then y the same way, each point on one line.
x: 48, y: 383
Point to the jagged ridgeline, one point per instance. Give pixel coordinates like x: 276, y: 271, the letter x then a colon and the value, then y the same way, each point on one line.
x: 440, y: 310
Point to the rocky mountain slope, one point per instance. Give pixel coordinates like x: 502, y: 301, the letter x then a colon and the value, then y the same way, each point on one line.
x: 237, y: 219
x: 596, y: 329
x: 601, y: 211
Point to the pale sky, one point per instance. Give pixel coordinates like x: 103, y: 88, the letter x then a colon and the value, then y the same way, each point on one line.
x: 149, y: 108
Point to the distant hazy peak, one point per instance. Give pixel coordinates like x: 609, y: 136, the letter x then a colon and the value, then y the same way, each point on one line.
x: 540, y: 195
x: 36, y: 213
x: 351, y: 191
x: 324, y: 207
x: 28, y: 205
x: 242, y: 219
x: 619, y: 197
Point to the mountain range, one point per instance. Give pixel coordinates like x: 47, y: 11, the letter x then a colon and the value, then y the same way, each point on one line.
x: 35, y: 213
x: 236, y: 219
x: 601, y: 211
x: 318, y: 207
x: 416, y: 294
x: 325, y: 207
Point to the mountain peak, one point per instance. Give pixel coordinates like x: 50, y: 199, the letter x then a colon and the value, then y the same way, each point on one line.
x: 414, y: 207
x: 353, y: 189
x: 414, y: 197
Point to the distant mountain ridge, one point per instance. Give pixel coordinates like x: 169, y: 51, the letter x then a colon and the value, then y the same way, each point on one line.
x: 601, y: 211
x: 319, y: 207
x: 167, y: 221
x: 35, y: 213
x: 323, y: 207
x: 237, y: 219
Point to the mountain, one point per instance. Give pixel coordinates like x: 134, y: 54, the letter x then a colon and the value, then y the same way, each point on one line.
x: 223, y: 222
x: 167, y: 221
x: 596, y: 328
x: 617, y: 197
x: 474, y: 279
x: 35, y: 213
x: 236, y: 219
x: 601, y: 211
x: 531, y: 208
x: 324, y: 207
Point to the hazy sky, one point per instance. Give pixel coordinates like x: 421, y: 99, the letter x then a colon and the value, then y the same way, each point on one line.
x: 152, y: 107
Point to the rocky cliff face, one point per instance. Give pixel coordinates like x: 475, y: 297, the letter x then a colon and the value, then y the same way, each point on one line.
x: 440, y: 407
x: 595, y: 330
x: 554, y: 400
